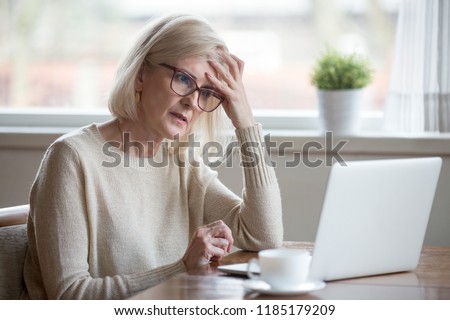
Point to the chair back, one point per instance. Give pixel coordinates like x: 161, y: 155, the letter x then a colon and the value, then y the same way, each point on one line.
x: 14, y: 215
x: 13, y: 246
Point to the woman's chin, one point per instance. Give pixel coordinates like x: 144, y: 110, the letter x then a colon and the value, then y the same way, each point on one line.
x: 176, y: 131
x: 176, y: 134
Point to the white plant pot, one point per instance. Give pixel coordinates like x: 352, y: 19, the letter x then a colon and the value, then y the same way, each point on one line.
x: 339, y: 111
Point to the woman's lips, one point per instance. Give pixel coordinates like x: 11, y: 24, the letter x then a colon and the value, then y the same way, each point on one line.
x: 179, y: 116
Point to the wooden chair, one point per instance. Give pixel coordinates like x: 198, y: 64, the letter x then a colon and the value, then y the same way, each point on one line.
x: 14, y: 215
x: 13, y: 245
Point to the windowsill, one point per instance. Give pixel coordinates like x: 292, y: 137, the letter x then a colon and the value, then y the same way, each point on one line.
x: 363, y: 143
x: 37, y: 130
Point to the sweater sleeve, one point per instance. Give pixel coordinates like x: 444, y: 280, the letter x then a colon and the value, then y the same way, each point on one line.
x: 255, y: 218
x: 59, y: 238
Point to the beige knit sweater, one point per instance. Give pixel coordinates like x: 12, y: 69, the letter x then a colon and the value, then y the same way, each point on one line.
x: 98, y: 230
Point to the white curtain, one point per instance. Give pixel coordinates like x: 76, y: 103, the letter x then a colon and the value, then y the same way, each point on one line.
x: 419, y: 95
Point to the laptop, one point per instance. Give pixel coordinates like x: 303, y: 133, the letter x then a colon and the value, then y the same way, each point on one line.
x: 374, y: 218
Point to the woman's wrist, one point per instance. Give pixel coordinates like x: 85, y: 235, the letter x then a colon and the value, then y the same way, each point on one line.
x: 246, y: 125
x: 247, y: 122
x: 251, y: 133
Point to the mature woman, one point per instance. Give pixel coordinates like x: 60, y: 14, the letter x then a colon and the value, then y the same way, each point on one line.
x: 105, y: 231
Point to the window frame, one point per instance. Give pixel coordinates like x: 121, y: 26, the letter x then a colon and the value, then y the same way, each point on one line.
x: 50, y: 119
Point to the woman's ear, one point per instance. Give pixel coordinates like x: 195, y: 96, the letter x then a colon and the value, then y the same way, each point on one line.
x: 139, y: 80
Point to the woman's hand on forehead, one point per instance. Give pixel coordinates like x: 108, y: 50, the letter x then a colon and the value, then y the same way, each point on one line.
x: 228, y: 80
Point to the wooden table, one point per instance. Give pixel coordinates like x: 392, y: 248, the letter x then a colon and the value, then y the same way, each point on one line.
x: 430, y: 280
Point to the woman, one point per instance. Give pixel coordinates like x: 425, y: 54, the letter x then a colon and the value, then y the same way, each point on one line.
x: 102, y: 231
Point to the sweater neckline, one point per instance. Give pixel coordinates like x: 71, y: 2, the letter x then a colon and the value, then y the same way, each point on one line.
x: 160, y: 159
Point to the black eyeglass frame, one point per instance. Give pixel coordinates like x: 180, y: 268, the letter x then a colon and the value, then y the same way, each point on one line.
x: 197, y: 88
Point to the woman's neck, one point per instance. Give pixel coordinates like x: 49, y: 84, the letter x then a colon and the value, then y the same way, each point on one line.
x: 136, y: 140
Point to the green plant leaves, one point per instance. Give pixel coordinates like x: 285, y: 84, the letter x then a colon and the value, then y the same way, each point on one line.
x: 334, y: 71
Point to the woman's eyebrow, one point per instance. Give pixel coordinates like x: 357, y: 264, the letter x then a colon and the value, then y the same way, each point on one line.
x: 188, y: 73
x: 210, y: 87
x: 206, y: 86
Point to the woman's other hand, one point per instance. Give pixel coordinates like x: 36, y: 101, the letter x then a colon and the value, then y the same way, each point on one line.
x: 229, y: 82
x: 209, y: 243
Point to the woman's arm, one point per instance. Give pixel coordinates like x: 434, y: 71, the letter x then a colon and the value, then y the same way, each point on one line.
x: 59, y: 244
x: 256, y: 218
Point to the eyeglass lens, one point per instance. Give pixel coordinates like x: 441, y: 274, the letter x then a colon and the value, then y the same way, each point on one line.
x: 184, y: 85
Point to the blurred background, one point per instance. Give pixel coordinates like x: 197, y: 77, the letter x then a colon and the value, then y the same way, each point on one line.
x: 63, y: 54
x: 60, y: 56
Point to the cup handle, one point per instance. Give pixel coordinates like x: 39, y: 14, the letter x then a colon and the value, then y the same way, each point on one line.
x: 250, y: 274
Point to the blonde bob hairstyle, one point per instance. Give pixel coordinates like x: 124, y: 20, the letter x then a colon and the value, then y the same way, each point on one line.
x: 165, y: 40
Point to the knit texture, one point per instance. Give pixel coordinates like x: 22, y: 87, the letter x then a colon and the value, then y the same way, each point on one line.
x: 105, y: 225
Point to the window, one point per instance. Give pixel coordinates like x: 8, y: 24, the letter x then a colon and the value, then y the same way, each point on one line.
x: 63, y: 54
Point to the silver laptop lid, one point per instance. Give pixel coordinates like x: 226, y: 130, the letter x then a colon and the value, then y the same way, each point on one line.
x: 374, y: 217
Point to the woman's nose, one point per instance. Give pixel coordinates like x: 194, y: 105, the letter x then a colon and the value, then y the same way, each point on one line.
x: 191, y: 100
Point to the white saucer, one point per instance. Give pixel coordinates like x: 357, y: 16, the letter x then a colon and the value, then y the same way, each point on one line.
x: 263, y: 287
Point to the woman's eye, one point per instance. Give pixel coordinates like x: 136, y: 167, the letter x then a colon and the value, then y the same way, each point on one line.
x: 206, y: 94
x: 182, y: 78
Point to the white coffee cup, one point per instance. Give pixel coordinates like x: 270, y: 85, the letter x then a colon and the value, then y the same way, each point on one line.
x: 282, y: 269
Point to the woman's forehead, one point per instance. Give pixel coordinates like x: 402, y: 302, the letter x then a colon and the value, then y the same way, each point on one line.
x: 196, y: 67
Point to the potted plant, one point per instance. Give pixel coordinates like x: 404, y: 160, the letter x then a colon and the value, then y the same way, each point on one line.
x: 340, y: 79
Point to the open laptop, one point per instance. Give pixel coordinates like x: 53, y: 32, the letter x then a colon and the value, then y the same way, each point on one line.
x: 374, y: 218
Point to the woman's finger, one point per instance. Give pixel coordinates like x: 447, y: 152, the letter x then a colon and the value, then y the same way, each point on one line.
x: 221, y: 86
x: 219, y: 229
x: 220, y: 243
x: 239, y: 62
x: 215, y: 253
x: 224, y: 75
x: 208, y: 243
x: 232, y: 62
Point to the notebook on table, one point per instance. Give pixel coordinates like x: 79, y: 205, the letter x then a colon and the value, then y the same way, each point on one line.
x: 373, y: 220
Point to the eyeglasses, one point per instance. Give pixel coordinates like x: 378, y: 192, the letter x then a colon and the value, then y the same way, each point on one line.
x: 183, y: 85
